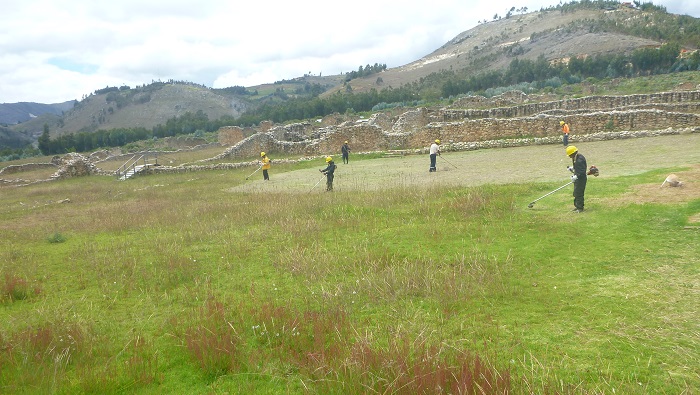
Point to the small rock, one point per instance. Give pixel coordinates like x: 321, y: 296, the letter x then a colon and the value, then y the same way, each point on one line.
x: 673, y: 181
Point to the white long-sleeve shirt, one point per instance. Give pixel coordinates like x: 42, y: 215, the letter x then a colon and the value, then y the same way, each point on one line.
x: 434, y: 149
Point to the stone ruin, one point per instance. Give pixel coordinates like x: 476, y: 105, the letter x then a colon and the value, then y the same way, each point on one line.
x: 74, y: 165
x: 69, y: 165
x: 473, y: 120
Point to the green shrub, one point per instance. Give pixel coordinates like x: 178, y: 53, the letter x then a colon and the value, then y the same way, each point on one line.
x: 56, y: 238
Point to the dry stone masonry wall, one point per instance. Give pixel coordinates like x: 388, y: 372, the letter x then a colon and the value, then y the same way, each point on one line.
x: 75, y: 165
x: 462, y: 124
x: 13, y: 169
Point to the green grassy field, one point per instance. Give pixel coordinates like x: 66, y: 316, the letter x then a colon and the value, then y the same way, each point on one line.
x: 191, y: 283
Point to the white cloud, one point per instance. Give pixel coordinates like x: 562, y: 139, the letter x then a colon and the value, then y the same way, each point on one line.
x: 682, y: 7
x: 57, y: 50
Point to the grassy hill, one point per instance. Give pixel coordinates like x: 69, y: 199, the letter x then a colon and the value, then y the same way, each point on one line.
x: 147, y: 107
x: 11, y: 139
x: 493, y: 45
x: 581, y: 30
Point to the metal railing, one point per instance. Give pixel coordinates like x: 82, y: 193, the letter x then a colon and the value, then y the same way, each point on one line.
x: 132, y: 166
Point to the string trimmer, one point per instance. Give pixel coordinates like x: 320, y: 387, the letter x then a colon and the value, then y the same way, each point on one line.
x: 592, y: 171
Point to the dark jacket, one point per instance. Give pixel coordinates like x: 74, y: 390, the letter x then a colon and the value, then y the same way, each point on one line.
x: 580, y: 167
x: 330, y: 169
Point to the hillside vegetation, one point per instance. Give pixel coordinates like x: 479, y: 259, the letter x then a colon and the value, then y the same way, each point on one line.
x: 11, y: 139
x: 13, y: 113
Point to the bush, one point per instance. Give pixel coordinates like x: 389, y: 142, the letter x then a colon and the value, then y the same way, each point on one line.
x: 56, y: 238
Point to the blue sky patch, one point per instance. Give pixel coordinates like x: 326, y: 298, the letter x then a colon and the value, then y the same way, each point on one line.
x: 70, y: 65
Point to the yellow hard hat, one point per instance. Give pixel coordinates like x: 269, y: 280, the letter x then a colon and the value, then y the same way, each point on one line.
x: 262, y: 154
x: 346, y: 141
x: 571, y: 150
x: 328, y: 159
x: 561, y: 122
x: 437, y: 141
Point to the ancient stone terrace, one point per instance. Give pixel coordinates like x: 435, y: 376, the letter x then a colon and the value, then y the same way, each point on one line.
x: 515, y: 117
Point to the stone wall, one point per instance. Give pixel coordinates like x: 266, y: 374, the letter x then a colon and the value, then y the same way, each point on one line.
x: 418, y: 128
x: 361, y: 137
x: 520, y: 142
x: 333, y: 120
x: 230, y: 135
x: 180, y: 142
x: 265, y: 126
x: 69, y: 165
x: 590, y: 103
x: 75, y: 165
x: 548, y: 125
x: 411, y: 121
x: 13, y: 169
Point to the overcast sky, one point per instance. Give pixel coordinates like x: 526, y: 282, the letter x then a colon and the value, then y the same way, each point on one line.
x: 53, y: 51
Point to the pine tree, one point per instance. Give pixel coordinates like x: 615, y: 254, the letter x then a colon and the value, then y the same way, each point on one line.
x: 45, y: 141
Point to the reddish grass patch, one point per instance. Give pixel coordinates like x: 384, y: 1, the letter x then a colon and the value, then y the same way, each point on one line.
x: 15, y: 288
x: 322, y: 346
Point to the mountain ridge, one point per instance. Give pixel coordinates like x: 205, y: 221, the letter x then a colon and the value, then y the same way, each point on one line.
x: 14, y: 113
x: 494, y: 44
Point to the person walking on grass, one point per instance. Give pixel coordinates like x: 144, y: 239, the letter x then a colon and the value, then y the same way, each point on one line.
x: 328, y: 171
x: 565, y: 129
x: 266, y: 163
x: 579, y: 177
x: 434, y: 152
x: 345, y: 149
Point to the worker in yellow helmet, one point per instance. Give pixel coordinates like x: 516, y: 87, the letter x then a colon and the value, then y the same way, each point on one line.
x: 579, y: 177
x: 266, y: 163
x: 345, y: 150
x: 328, y: 171
x: 434, y: 152
x: 565, y: 129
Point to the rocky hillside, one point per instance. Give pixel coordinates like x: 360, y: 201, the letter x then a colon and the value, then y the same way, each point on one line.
x: 144, y: 107
x: 147, y: 107
x: 555, y: 34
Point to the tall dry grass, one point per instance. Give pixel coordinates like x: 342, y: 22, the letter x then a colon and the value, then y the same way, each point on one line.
x: 176, y: 285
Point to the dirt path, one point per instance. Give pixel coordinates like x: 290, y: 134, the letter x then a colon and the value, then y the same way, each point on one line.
x: 498, y: 166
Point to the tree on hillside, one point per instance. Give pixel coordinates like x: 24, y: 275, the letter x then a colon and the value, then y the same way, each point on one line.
x: 45, y: 141
x: 655, y: 60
